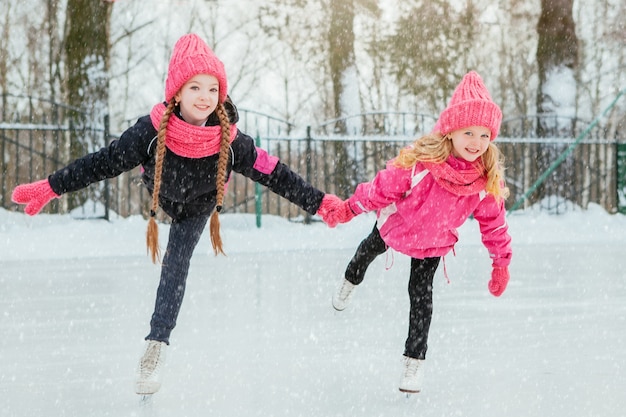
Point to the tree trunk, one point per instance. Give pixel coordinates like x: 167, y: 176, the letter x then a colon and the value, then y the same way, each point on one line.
x: 557, y: 58
x: 87, y: 48
x: 344, y: 85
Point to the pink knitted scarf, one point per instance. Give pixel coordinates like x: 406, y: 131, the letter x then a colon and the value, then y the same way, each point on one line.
x: 467, y: 181
x: 189, y: 140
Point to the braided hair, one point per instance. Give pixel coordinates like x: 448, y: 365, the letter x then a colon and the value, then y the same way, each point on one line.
x: 152, y: 235
x: 222, y: 163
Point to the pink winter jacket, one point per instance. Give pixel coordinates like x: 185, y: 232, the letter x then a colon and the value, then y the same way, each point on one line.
x: 419, y: 209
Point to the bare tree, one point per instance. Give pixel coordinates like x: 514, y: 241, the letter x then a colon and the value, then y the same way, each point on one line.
x: 343, y: 79
x: 557, y: 59
x: 86, y: 71
x: 430, y: 49
x: 87, y: 55
x: 516, y: 42
x: 4, y: 49
x: 294, y: 31
x: 602, y: 69
x: 322, y: 33
x: 54, y: 48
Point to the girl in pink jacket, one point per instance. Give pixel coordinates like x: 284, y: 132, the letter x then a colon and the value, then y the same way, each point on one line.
x: 422, y: 197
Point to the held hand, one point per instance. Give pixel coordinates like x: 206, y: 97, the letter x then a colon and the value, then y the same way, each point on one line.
x: 499, y: 279
x: 327, y: 210
x: 334, y: 210
x: 35, y: 195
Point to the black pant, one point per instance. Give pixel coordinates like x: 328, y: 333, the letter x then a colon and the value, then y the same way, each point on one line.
x: 420, y: 290
x: 183, y: 238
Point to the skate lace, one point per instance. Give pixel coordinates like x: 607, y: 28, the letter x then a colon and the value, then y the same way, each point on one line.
x: 151, y: 359
x: 346, y: 289
x: 412, y: 366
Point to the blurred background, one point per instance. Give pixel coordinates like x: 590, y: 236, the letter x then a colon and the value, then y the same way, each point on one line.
x: 333, y: 87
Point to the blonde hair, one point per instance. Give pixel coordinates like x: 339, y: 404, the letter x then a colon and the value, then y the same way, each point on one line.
x: 436, y: 148
x: 152, y: 235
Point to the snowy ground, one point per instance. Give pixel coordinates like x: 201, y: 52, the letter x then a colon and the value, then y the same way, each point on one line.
x: 257, y: 335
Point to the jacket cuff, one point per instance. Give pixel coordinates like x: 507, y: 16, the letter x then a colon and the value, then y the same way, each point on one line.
x: 500, y: 260
x: 356, y: 206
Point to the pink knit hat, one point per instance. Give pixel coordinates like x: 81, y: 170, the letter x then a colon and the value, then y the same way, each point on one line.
x: 192, y: 56
x: 470, y: 105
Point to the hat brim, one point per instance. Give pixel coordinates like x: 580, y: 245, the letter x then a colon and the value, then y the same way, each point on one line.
x: 470, y: 113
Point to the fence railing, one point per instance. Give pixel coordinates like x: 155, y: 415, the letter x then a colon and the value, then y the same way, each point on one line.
x: 33, y: 148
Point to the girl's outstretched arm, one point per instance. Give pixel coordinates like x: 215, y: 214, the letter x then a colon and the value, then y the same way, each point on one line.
x: 256, y: 164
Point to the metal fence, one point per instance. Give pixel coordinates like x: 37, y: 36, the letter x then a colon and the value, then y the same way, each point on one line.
x: 35, y: 141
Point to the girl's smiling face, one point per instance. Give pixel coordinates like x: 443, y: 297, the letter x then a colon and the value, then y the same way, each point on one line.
x: 470, y: 142
x: 198, y: 98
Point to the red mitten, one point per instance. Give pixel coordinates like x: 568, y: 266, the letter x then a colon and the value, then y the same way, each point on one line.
x: 330, y: 203
x: 499, y: 279
x: 346, y: 212
x: 334, y: 210
x: 35, y: 195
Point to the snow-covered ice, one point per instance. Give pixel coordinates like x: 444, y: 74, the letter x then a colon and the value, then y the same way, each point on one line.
x: 257, y: 335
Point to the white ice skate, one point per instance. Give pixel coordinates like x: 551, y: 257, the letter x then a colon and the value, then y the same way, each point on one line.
x: 148, y: 375
x: 342, y: 297
x: 413, y: 376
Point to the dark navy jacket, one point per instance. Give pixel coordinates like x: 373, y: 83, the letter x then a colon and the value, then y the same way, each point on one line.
x: 188, y: 185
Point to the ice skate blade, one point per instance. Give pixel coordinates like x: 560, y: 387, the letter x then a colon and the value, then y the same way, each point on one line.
x: 408, y: 392
x: 145, y: 401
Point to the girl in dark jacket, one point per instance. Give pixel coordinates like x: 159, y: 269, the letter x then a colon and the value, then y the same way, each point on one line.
x: 188, y: 146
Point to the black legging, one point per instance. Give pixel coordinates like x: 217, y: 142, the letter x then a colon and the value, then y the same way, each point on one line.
x: 183, y: 238
x: 420, y: 290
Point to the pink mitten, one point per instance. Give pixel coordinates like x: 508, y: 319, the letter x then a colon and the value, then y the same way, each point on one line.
x: 334, y: 210
x: 499, y: 279
x: 35, y: 195
x: 346, y: 213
